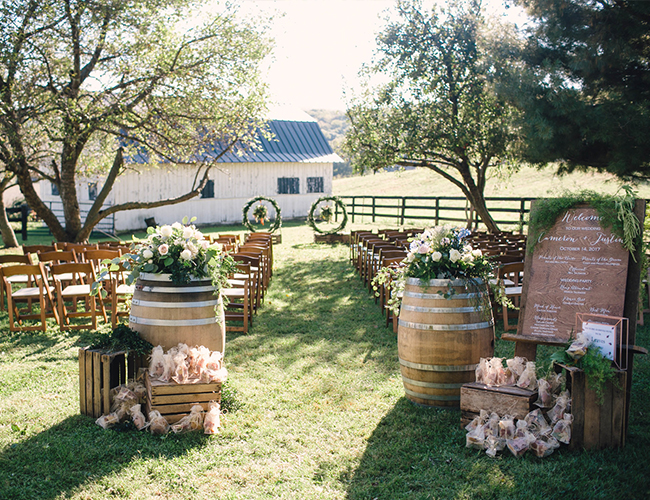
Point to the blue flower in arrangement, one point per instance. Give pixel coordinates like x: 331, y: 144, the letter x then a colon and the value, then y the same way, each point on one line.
x: 442, y: 252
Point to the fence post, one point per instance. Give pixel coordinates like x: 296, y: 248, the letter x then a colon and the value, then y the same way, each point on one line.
x: 437, y: 217
x: 373, y: 208
x: 522, y: 208
x: 403, y: 210
x: 354, y: 199
x: 24, y: 210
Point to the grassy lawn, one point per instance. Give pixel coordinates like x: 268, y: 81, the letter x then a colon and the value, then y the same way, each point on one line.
x: 321, y: 415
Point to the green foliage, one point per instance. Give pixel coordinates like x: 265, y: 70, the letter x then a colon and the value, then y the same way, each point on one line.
x: 83, y: 80
x: 585, y: 95
x: 616, y: 212
x: 439, y: 109
x: 277, y: 223
x: 311, y: 216
x: 598, y: 370
x: 122, y: 338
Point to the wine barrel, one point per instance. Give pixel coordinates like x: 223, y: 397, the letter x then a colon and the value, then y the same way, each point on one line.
x: 166, y: 314
x: 440, y: 340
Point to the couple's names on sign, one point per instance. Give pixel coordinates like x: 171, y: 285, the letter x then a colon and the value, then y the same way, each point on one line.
x: 577, y: 266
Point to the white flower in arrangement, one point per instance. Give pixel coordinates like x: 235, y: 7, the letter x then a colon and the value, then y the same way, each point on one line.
x: 436, y: 256
x: 177, y: 225
x: 454, y: 255
x: 477, y: 252
x: 147, y: 253
x: 410, y: 257
x: 413, y: 247
x: 163, y: 249
x: 166, y: 231
x: 186, y: 254
x: 188, y: 232
x: 205, y: 244
x: 468, y: 257
x: 424, y: 248
x: 192, y: 248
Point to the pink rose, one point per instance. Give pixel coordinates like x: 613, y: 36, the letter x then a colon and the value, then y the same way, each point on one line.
x: 163, y: 249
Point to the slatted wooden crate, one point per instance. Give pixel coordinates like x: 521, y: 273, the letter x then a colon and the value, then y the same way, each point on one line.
x: 174, y: 401
x: 99, y: 372
x: 597, y: 426
x: 503, y: 400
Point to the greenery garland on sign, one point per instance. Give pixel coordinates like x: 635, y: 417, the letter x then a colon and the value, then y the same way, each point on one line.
x: 278, y: 219
x: 616, y: 212
x: 339, y: 203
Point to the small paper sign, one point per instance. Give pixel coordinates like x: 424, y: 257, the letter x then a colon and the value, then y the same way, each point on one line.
x: 602, y: 336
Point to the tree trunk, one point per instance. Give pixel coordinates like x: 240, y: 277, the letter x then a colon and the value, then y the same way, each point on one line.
x: 8, y: 235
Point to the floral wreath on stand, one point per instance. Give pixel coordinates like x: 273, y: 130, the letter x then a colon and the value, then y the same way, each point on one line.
x: 326, y: 214
x: 260, y: 213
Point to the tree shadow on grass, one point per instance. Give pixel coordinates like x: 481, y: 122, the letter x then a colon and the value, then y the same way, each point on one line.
x: 419, y: 453
x: 64, y: 457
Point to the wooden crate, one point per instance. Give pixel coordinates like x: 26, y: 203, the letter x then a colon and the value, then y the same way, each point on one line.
x: 99, y: 372
x: 331, y: 238
x: 174, y: 401
x: 597, y: 426
x: 503, y: 400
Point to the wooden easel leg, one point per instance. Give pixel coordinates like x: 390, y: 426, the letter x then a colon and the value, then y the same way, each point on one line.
x: 526, y: 350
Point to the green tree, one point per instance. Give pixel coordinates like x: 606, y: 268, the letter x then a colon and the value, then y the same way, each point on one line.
x: 586, y: 97
x: 439, y: 108
x: 84, y: 83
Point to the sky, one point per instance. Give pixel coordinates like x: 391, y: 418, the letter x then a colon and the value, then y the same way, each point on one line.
x: 320, y: 46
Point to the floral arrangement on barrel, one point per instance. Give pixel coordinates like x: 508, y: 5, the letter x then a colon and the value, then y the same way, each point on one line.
x: 260, y: 213
x: 182, y: 251
x: 440, y: 252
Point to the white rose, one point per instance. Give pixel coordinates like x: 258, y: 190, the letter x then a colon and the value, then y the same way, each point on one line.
x: 205, y: 244
x: 166, y: 231
x: 468, y: 257
x: 436, y: 256
x: 186, y: 254
x: 410, y: 257
x: 163, y: 249
x: 188, y: 232
x: 147, y: 254
x: 477, y: 252
x: 177, y: 225
x: 424, y: 249
x: 454, y: 255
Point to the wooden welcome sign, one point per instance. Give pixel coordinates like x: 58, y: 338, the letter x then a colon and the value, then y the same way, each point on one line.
x: 577, y: 266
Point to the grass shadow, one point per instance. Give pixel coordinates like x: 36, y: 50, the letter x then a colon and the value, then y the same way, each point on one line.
x: 419, y: 453
x: 56, y: 462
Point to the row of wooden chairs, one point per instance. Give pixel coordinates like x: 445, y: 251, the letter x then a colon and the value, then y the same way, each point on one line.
x: 66, y: 276
x: 248, y: 286
x: 370, y: 252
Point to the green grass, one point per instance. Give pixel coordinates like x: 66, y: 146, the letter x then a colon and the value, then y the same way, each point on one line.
x: 322, y: 415
x: 526, y: 183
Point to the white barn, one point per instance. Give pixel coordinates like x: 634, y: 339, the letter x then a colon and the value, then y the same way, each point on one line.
x: 294, y: 167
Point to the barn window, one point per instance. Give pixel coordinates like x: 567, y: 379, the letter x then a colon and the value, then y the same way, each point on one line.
x: 92, y: 190
x: 315, y: 185
x: 208, y: 190
x: 55, y: 189
x: 288, y: 185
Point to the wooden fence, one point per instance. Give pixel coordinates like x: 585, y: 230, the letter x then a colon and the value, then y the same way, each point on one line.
x: 507, y: 211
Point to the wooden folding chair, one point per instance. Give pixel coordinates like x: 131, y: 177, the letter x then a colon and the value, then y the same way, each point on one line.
x: 13, y: 259
x: 83, y: 275
x: 37, y: 288
x: 238, y: 307
x: 510, y: 280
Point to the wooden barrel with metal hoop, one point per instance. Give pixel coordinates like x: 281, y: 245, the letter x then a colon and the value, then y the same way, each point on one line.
x: 165, y: 313
x: 444, y: 329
